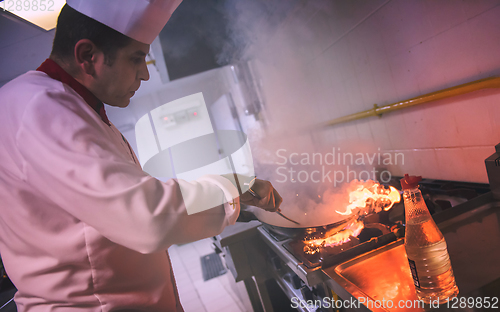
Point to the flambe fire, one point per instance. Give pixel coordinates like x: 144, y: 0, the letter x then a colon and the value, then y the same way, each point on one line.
x: 369, y: 197
x: 351, y: 229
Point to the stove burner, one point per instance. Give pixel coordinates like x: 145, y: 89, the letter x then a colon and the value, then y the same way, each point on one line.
x: 372, y: 236
x: 372, y: 231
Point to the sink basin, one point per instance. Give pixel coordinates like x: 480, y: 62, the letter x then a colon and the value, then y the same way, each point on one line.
x: 382, y: 275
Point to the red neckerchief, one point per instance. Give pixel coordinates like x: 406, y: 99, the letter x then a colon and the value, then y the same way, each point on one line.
x: 55, y: 71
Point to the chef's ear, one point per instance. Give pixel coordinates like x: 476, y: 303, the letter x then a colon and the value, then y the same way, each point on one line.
x: 85, y: 56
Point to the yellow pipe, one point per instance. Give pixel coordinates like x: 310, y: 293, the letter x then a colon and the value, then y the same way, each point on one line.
x: 492, y: 82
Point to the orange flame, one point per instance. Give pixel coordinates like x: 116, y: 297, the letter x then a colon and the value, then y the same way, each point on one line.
x: 372, y: 198
x: 352, y: 229
x: 368, y: 197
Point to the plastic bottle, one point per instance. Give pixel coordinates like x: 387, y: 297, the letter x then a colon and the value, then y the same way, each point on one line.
x: 426, y: 248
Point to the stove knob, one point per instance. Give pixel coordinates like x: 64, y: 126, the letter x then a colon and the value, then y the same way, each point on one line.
x: 296, y: 281
x: 306, y: 293
x: 276, y: 261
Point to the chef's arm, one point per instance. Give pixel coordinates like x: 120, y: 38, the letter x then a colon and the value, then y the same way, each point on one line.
x: 75, y: 163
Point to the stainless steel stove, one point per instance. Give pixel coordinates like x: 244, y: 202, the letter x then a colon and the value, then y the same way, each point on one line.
x: 296, y: 279
x: 460, y: 209
x: 302, y: 277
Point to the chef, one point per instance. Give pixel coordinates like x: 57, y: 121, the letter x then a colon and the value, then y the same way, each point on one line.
x: 83, y: 228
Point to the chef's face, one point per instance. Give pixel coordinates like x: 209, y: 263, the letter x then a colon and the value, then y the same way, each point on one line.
x: 116, y: 82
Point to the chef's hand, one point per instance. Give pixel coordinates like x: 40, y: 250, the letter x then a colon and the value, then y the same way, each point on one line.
x: 266, y: 197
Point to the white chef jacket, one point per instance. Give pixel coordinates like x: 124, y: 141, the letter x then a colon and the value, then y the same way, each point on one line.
x: 82, y: 227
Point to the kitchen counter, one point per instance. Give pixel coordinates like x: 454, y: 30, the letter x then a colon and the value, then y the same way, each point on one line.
x: 472, y: 233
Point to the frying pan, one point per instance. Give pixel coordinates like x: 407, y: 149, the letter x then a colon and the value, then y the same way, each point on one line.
x: 322, y: 221
x: 301, y: 231
x: 313, y: 205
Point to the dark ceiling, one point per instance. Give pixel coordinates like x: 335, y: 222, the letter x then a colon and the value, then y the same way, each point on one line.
x: 206, y: 34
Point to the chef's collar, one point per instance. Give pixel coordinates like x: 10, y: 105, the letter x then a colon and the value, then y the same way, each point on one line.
x: 56, y: 72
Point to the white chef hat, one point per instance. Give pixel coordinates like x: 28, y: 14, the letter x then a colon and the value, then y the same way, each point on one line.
x: 141, y: 20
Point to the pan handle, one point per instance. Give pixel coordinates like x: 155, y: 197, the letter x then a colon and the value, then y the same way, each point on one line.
x: 279, y: 210
x: 246, y: 215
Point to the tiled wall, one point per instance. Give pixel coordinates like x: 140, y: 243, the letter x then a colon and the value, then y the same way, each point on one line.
x: 332, y: 58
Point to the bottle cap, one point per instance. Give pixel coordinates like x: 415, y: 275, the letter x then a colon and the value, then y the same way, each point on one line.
x: 409, y: 182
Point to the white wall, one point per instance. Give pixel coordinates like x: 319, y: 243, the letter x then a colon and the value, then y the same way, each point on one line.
x: 23, y: 47
x: 333, y: 58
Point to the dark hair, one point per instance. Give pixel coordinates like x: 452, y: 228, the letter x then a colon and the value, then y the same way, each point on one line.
x: 72, y: 26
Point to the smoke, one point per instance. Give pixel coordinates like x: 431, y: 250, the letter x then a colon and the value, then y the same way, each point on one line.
x: 313, y: 206
x: 314, y: 182
x: 250, y: 24
x: 283, y: 38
